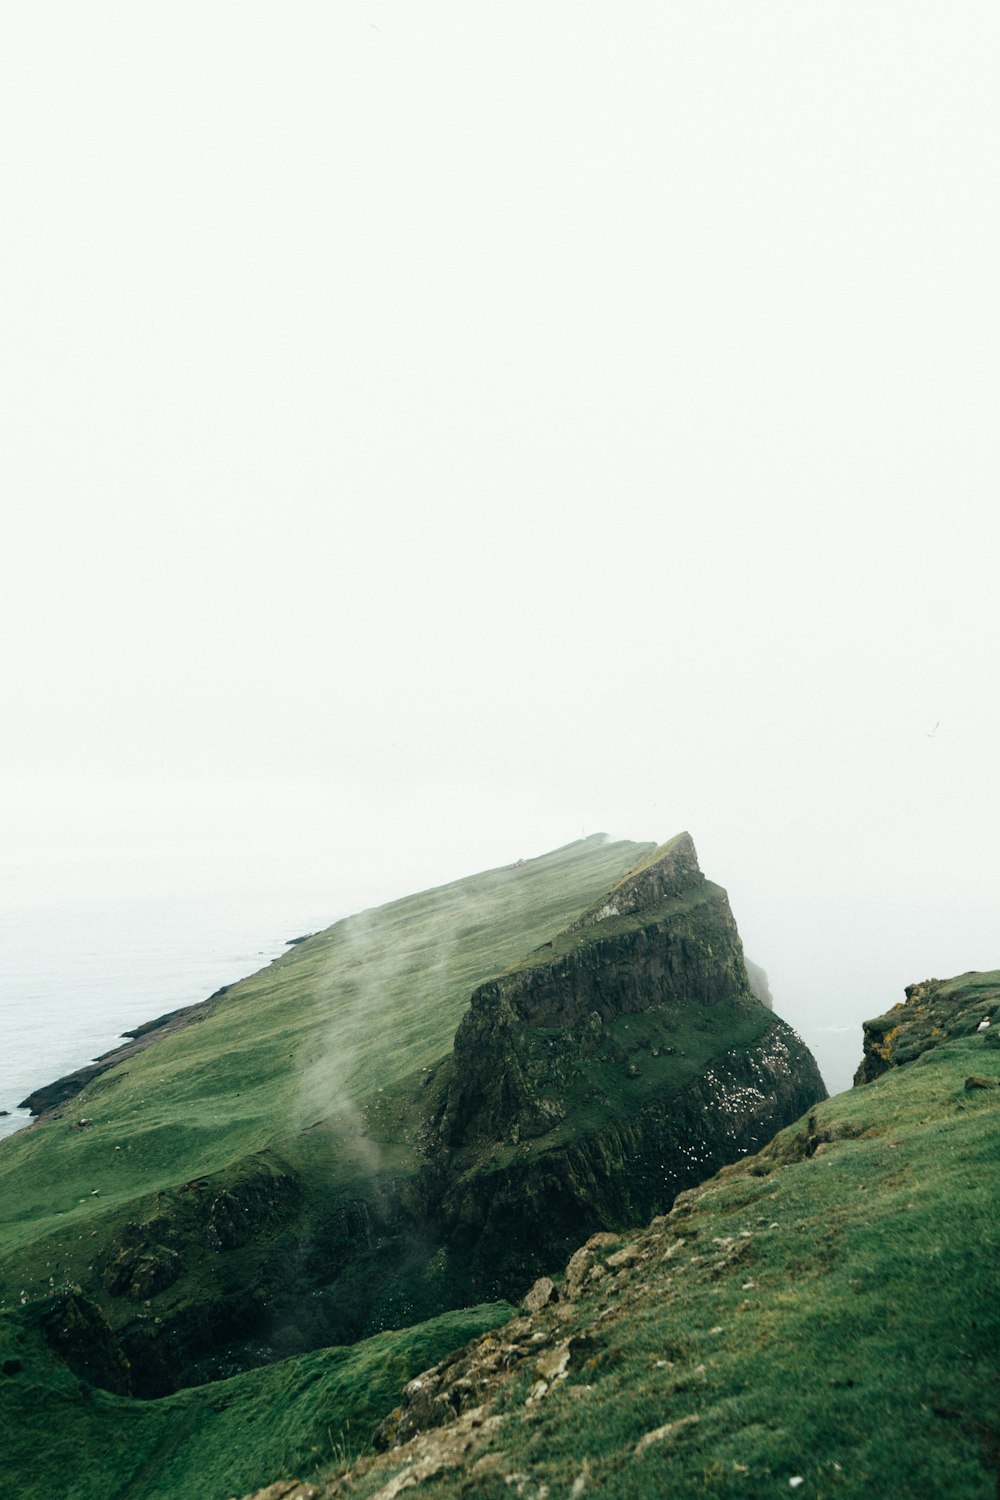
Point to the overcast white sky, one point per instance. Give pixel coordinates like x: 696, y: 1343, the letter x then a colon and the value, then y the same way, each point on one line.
x: 431, y: 431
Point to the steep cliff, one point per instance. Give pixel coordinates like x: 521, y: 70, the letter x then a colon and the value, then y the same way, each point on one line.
x: 663, y: 944
x: 610, y: 1069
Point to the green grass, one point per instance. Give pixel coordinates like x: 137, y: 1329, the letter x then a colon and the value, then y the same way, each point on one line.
x: 832, y: 1315
x: 61, y: 1437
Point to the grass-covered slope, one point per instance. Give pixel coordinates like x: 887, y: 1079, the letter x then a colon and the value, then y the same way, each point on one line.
x: 822, y: 1318
x: 62, y: 1438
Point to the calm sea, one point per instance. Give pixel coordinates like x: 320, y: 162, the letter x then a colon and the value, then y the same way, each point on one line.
x: 73, y: 977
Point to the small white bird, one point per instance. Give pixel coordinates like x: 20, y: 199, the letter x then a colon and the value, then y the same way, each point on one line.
x: 984, y: 1025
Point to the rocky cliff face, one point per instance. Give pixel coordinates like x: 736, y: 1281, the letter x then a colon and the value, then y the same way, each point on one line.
x: 662, y: 942
x: 513, y: 1222
x: 616, y: 1066
x: 535, y: 1041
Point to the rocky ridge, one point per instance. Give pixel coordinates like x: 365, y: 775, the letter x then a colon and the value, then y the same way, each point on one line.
x: 934, y: 1011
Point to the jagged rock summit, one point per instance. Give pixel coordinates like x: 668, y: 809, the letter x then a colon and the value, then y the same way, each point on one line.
x: 661, y: 943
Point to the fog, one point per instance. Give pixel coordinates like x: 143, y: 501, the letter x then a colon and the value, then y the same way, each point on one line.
x: 435, y: 432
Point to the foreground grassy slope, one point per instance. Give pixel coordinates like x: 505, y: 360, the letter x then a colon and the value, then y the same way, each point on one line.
x: 822, y: 1318
x: 60, y: 1437
x: 300, y: 1042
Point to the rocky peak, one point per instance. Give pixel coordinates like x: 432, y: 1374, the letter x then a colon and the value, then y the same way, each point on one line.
x: 662, y: 940
x: 670, y: 870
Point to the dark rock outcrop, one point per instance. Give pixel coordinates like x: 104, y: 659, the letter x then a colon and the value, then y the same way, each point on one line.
x: 196, y: 1226
x: 516, y: 1220
x: 663, y: 944
x: 663, y: 940
x: 934, y: 1011
x: 79, y: 1332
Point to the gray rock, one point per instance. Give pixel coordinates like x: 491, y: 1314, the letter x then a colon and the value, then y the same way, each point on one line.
x: 543, y: 1292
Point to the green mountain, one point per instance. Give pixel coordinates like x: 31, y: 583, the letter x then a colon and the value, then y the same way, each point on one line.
x: 224, y: 1250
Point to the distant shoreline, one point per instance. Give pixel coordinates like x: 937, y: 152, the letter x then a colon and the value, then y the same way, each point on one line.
x: 50, y: 1096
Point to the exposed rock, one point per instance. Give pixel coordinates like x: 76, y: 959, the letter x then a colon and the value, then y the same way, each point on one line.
x: 553, y: 1362
x: 543, y: 1291
x: 431, y: 1453
x: 581, y: 1262
x: 668, y: 1430
x: 139, y: 1265
x: 448, y: 1390
x: 667, y: 871
x: 663, y: 941
x: 627, y: 1256
x: 288, y: 1489
x: 520, y: 1218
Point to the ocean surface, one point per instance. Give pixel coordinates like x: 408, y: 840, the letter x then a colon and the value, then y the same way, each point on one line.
x: 75, y: 976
